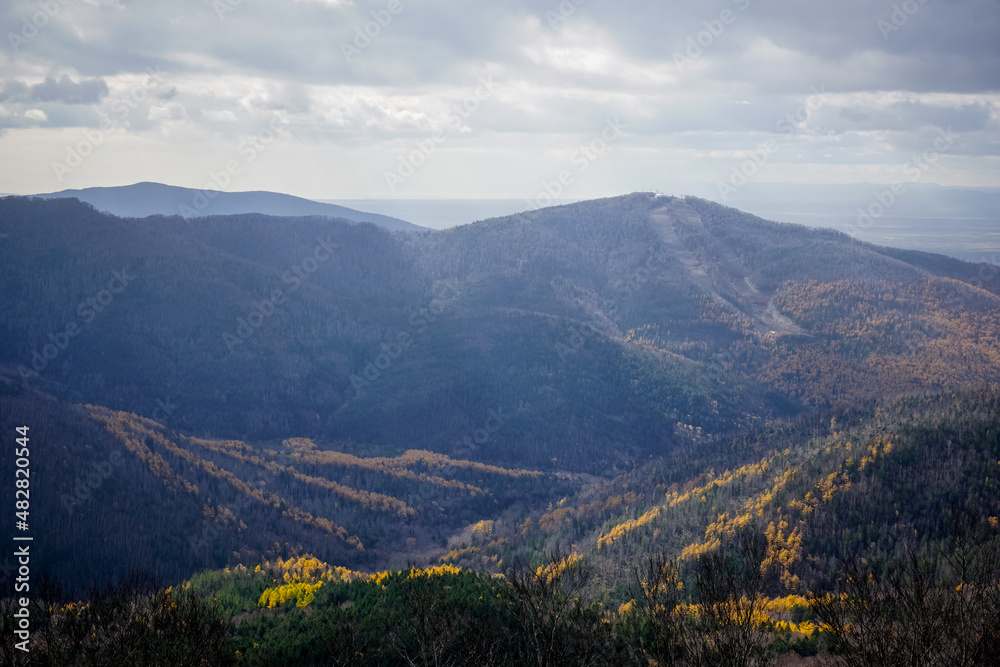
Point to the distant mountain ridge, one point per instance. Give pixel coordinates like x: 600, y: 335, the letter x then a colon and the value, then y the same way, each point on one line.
x: 144, y: 199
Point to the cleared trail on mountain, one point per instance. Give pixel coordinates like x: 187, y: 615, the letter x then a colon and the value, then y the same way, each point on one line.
x: 715, y: 268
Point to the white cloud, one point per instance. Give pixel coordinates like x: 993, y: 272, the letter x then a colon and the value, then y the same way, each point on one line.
x: 170, y: 111
x: 220, y: 116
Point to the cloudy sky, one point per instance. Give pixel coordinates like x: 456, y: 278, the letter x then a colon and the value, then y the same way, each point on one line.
x: 441, y: 98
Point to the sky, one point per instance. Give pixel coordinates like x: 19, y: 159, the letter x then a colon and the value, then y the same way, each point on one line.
x: 410, y: 99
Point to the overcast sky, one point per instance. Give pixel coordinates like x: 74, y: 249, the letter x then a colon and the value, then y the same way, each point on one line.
x: 496, y: 99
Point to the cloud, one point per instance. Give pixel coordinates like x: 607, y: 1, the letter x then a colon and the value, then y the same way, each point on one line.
x: 169, y: 111
x: 67, y: 91
x: 14, y: 91
x: 63, y: 90
x: 694, y: 81
x: 331, y: 3
x: 908, y: 115
x: 219, y: 116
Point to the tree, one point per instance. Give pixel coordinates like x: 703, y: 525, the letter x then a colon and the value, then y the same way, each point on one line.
x: 657, y: 621
x: 134, y: 622
x: 556, y: 627
x: 730, y: 591
x: 921, y: 611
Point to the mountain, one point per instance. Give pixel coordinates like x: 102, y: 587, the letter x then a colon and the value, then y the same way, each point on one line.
x: 601, y: 331
x: 145, y: 199
x: 266, y: 328
x: 311, y: 384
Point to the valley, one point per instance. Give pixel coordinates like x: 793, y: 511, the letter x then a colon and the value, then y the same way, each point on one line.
x: 598, y: 383
x: 444, y: 334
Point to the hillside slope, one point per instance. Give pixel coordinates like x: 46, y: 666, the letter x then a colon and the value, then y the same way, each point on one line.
x: 602, y: 332
x: 893, y: 510
x: 392, y: 390
x: 900, y: 477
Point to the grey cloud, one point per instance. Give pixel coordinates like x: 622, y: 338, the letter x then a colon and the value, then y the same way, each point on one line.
x: 270, y: 57
x: 944, y: 46
x: 14, y: 91
x: 852, y: 115
x: 69, y: 92
x: 907, y: 116
x: 64, y: 90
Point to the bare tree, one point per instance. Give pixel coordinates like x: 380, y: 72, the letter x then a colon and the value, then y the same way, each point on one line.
x: 730, y: 592
x: 657, y: 622
x: 555, y: 625
x: 922, y: 611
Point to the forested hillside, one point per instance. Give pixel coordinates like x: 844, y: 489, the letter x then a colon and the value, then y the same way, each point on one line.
x: 876, y: 481
x: 599, y: 331
x: 117, y: 492
x: 873, y: 542
x: 750, y: 410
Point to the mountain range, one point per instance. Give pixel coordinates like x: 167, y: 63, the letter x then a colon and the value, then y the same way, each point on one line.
x: 447, y: 377
x: 142, y: 200
x: 609, y: 379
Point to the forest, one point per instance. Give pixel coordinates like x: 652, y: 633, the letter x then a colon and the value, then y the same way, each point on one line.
x: 919, y: 585
x: 596, y: 328
x: 637, y: 430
